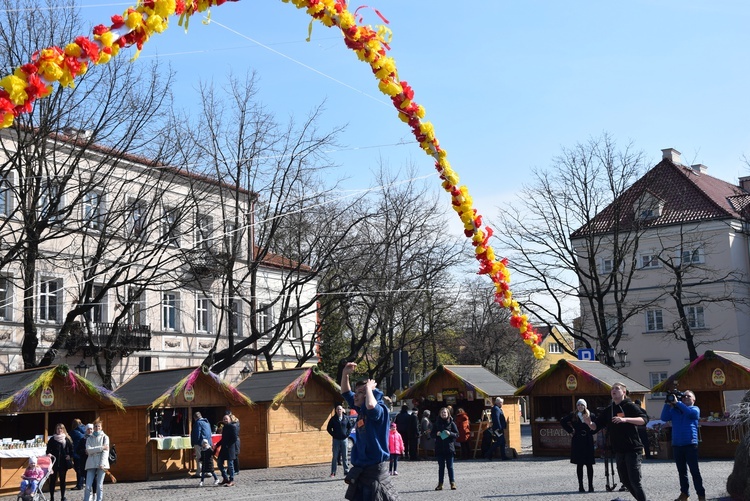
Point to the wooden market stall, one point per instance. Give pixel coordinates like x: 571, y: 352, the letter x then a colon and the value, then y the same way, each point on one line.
x: 709, y: 376
x: 473, y: 388
x: 153, y: 439
x: 32, y: 402
x: 287, y: 424
x: 553, y: 395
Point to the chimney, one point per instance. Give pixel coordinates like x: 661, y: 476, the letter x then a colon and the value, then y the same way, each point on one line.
x: 672, y: 155
x: 745, y: 183
x: 699, y: 168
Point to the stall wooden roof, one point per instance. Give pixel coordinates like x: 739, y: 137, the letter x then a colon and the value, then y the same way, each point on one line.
x: 17, y: 387
x: 735, y: 365
x: 153, y: 388
x: 600, y: 374
x: 475, y: 377
x: 274, y: 386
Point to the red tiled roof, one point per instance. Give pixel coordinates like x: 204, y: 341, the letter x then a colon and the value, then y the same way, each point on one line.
x: 687, y: 194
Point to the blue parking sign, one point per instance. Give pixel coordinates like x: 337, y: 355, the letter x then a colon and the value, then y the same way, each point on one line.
x: 586, y: 354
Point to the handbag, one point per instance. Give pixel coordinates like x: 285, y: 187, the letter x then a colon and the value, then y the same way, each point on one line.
x: 112, y: 454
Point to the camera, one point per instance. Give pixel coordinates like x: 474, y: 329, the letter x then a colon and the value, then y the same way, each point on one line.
x: 674, y: 396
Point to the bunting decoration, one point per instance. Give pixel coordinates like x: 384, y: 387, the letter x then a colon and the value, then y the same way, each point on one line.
x: 72, y: 381
x: 189, y: 381
x: 371, y: 45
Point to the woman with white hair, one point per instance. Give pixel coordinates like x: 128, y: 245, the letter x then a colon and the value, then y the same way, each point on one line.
x: 581, y: 443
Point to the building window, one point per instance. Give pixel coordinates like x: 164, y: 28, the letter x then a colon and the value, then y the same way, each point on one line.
x: 98, y: 311
x: 5, y: 195
x: 691, y: 256
x: 170, y: 230
x: 656, y: 378
x: 202, y: 314
x: 695, y: 317
x: 554, y: 348
x: 236, y: 321
x: 144, y: 364
x: 654, y: 321
x: 296, y: 332
x: 263, y: 318
x: 169, y: 311
x: 136, y: 308
x: 606, y: 266
x: 232, y: 240
x: 203, y: 230
x: 138, y: 215
x: 49, y: 300
x: 50, y: 202
x: 6, y: 299
x: 92, y: 210
x: 650, y: 261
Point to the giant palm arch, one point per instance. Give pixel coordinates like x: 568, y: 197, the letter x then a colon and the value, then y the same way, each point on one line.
x: 35, y: 79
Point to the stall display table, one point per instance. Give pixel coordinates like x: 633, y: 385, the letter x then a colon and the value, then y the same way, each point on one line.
x: 13, y: 462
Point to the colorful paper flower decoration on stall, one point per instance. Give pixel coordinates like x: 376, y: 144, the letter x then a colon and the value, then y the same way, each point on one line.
x: 137, y: 25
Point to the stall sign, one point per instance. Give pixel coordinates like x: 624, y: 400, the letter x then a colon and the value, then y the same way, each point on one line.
x: 487, y: 402
x: 439, y: 396
x: 430, y: 398
x: 450, y: 396
x: 189, y: 394
x: 718, y: 377
x: 301, y: 391
x: 571, y: 382
x: 552, y: 436
x: 47, y: 397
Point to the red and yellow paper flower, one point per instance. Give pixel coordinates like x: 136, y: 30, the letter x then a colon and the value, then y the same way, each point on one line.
x: 136, y: 26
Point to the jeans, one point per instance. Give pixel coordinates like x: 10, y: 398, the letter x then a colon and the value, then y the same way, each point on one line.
x: 339, y: 450
x: 393, y: 463
x: 224, y: 473
x: 686, y: 456
x: 444, y: 461
x: 94, y: 475
x: 629, y: 470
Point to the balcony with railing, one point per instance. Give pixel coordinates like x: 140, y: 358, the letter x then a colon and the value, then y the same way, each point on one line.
x: 125, y: 339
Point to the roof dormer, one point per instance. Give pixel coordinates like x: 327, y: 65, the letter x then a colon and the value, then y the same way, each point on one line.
x: 648, y: 206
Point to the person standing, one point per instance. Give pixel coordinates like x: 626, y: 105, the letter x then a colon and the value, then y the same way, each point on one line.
x: 368, y: 478
x: 201, y: 431
x: 684, y: 416
x: 97, y: 461
x: 581, y: 442
x: 207, y: 462
x: 464, y: 433
x: 445, y: 433
x: 499, y: 424
x: 78, y: 435
x: 236, y: 423
x: 339, y: 427
x: 402, y: 425
x: 425, y: 427
x: 413, y: 433
x: 228, y: 452
x: 59, y: 445
x: 396, y: 447
x: 622, y: 418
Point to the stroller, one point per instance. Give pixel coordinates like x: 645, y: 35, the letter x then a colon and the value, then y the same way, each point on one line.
x: 45, y: 463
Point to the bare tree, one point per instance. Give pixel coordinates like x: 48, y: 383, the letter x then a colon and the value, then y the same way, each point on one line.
x: 573, y: 240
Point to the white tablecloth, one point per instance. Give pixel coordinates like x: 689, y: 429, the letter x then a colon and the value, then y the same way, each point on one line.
x: 23, y: 453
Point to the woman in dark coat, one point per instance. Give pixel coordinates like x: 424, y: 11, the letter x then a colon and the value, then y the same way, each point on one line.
x: 581, y: 443
x: 228, y: 452
x: 445, y: 432
x: 59, y: 445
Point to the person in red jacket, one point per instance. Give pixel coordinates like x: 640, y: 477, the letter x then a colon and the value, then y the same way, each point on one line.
x: 396, y: 446
x: 464, y: 433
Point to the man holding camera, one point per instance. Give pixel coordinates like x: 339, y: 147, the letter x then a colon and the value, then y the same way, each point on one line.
x: 681, y: 410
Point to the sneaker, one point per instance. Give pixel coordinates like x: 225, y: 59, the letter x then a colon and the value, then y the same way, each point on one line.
x: 395, y: 473
x: 230, y: 484
x: 333, y: 475
x: 200, y: 484
x: 217, y: 481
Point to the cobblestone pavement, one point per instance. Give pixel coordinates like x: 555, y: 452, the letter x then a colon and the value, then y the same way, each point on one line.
x: 521, y: 479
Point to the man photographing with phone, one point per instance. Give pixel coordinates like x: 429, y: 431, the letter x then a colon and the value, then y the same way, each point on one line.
x: 680, y: 408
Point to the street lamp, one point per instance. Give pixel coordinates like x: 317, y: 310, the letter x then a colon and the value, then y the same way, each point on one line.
x: 609, y: 356
x: 82, y: 369
x: 245, y: 372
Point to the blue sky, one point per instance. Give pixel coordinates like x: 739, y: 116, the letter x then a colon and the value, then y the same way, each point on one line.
x: 505, y: 83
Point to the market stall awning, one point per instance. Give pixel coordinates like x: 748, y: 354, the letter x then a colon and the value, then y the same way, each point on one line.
x: 600, y: 374
x: 274, y: 386
x: 475, y: 377
x: 156, y: 388
x: 737, y: 368
x: 17, y: 387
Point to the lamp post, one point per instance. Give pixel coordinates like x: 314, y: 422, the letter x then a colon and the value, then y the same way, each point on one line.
x: 245, y: 372
x: 82, y: 369
x: 608, y: 357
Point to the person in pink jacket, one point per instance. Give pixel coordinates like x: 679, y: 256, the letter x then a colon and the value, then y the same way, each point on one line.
x: 396, y: 447
x: 31, y: 477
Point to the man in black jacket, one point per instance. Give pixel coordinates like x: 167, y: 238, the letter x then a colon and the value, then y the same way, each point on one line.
x: 622, y: 419
x: 402, y: 426
x: 339, y: 427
